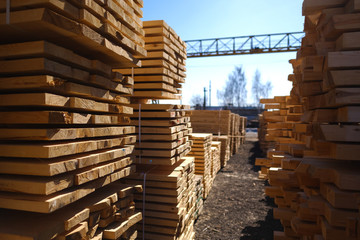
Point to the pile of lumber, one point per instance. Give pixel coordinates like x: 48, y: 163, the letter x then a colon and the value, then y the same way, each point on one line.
x: 201, y: 151
x: 168, y: 200
x: 215, y: 158
x: 163, y: 69
x: 163, y: 133
x: 220, y: 123
x: 225, y: 149
x: 65, y: 138
x: 210, y: 121
x: 317, y: 185
x: 108, y: 213
x: 199, y: 192
x: 162, y: 136
x: 237, y: 132
x: 110, y: 32
x: 277, y: 121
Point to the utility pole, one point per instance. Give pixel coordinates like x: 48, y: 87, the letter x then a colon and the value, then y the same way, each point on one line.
x: 210, y: 93
x: 204, y: 105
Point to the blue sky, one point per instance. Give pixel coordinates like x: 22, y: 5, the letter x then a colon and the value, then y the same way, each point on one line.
x: 200, y: 19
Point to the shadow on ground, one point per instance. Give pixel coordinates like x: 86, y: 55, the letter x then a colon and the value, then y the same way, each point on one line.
x: 264, y: 228
x: 255, y: 152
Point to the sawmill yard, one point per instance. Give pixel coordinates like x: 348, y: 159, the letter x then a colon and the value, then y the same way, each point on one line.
x: 87, y: 152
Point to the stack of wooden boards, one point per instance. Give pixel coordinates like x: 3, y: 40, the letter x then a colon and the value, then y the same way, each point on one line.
x: 168, y: 201
x: 109, y: 214
x: 201, y: 151
x: 317, y: 185
x: 163, y: 69
x: 108, y: 31
x: 277, y: 121
x: 220, y: 123
x: 199, y: 193
x: 162, y: 136
x: 215, y: 158
x: 225, y: 148
x: 64, y: 135
x: 163, y: 133
x: 237, y: 132
x: 211, y: 121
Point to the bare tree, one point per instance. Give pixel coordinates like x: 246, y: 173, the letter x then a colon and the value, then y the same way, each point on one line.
x: 260, y: 90
x: 196, y: 100
x: 256, y: 88
x: 267, y: 89
x: 234, y: 92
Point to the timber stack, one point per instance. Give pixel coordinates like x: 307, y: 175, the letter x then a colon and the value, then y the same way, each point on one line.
x: 215, y: 158
x: 65, y: 135
x: 163, y: 69
x: 222, y: 124
x: 237, y: 132
x: 199, y: 192
x: 225, y: 148
x: 168, y: 200
x: 162, y: 131
x: 322, y: 168
x: 201, y: 151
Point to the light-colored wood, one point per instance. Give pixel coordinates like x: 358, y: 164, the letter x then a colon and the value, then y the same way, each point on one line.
x: 115, y: 231
x: 310, y: 7
x: 52, y: 150
x: 45, y: 23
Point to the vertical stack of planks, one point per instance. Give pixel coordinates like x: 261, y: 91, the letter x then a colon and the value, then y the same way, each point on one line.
x: 209, y: 121
x: 237, y: 132
x: 321, y: 172
x: 168, y: 201
x: 162, y: 137
x: 201, y: 151
x: 199, y: 193
x: 215, y: 158
x: 225, y: 148
x: 163, y: 69
x: 64, y: 139
x: 163, y: 133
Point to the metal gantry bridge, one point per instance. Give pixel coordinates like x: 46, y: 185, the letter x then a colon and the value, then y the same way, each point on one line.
x: 266, y: 43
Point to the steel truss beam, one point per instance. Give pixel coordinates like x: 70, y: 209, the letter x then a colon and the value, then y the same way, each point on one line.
x: 266, y: 43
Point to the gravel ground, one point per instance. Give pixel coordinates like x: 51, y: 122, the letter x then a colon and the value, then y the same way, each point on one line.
x: 237, y: 207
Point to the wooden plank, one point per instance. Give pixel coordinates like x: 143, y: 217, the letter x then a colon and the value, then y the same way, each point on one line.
x: 59, y: 102
x: 343, y: 78
x: 62, y: 133
x: 342, y: 96
x: 116, y: 230
x: 59, y: 117
x: 347, y: 41
x: 339, y: 198
x: 311, y: 7
x: 156, y: 95
x: 341, y: 23
x: 345, y: 59
x: 340, y: 133
x: 51, y: 150
x: 154, y: 78
x: 348, y: 114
